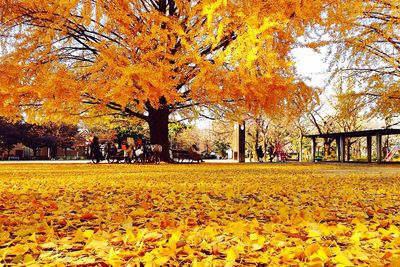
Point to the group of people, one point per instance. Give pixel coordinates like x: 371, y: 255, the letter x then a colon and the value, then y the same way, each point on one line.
x: 130, y: 149
x: 136, y: 150
x: 272, y: 152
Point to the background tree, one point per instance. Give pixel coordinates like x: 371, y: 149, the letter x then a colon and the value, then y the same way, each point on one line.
x: 65, y: 136
x: 10, y: 135
x: 364, y: 43
x: 257, y: 133
x: 175, y: 129
x: 221, y: 135
x: 34, y: 137
x: 350, y: 115
x: 148, y: 58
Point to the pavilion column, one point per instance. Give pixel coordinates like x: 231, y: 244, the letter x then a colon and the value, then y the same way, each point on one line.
x: 338, y: 149
x: 378, y: 148
x: 313, y: 148
x: 341, y: 148
x: 301, y: 148
x: 369, y: 148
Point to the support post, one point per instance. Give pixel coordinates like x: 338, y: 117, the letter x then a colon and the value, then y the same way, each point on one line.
x: 378, y: 148
x: 338, y: 149
x: 341, y: 148
x: 301, y: 148
x: 313, y: 148
x: 369, y: 148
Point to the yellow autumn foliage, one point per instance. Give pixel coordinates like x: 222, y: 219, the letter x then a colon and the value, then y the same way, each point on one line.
x: 89, y: 58
x: 199, y: 215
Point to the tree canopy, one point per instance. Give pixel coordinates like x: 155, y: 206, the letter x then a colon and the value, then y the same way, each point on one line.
x: 126, y: 55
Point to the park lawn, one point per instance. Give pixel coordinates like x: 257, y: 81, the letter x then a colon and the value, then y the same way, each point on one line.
x: 199, y: 215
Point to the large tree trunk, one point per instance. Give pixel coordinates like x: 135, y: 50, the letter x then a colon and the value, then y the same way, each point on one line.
x: 158, y: 124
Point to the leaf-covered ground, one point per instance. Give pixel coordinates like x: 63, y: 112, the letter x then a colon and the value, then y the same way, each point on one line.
x: 199, y: 215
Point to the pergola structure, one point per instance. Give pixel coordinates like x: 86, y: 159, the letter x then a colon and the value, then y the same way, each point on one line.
x: 340, y: 142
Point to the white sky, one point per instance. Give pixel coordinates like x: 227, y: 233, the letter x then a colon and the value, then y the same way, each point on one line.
x: 311, y: 65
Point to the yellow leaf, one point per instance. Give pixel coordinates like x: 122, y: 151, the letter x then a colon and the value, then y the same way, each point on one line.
x: 314, y: 233
x: 96, y: 244
x: 253, y: 236
x: 28, y: 259
x: 396, y: 241
x: 355, y: 238
x: 231, y: 255
x: 175, y: 236
x: 161, y: 260
x: 148, y: 257
x: 322, y: 255
x: 32, y: 238
x: 88, y: 234
x: 359, y: 254
x: 79, y: 235
x: 342, y: 259
x: 264, y: 258
x: 19, y: 249
x: 360, y: 227
x: 3, y: 257
x: 311, y: 249
x: 113, y: 255
x: 209, y: 231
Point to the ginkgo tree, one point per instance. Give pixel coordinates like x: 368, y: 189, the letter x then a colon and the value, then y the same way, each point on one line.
x: 64, y: 60
x: 364, y: 38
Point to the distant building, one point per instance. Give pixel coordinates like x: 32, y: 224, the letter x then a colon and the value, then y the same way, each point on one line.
x: 22, y: 152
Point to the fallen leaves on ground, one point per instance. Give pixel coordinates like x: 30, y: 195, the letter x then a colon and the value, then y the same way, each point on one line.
x: 199, y: 215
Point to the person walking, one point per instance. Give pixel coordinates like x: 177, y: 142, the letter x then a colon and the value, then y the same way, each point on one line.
x: 270, y: 152
x: 95, y: 152
x: 260, y: 154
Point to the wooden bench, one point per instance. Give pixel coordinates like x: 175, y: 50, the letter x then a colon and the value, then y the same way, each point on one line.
x: 181, y: 155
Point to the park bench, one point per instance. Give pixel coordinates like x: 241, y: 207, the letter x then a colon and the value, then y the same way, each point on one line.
x: 180, y: 155
x: 116, y: 156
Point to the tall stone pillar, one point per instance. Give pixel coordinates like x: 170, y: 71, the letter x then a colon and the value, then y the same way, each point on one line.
x: 239, y: 141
